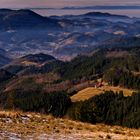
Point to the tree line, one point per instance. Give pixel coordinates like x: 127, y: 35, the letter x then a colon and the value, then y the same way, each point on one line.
x: 109, y: 108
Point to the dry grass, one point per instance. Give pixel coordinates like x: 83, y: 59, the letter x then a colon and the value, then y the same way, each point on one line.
x: 117, y: 54
x: 40, y: 79
x: 38, y: 126
x: 28, y: 63
x: 127, y: 92
x: 85, y: 94
x: 91, y: 91
x: 12, y: 114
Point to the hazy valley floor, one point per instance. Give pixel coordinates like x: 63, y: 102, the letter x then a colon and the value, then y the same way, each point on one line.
x: 16, y: 126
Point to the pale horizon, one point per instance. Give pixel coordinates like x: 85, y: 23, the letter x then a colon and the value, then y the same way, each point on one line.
x: 63, y: 3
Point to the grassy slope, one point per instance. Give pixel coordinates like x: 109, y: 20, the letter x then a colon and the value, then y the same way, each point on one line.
x: 91, y: 91
x: 36, y: 126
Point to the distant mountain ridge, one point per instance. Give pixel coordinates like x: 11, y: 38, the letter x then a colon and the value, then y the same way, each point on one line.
x: 33, y: 59
x: 122, y: 42
x: 38, y: 58
x: 110, y: 7
x: 99, y: 14
x: 32, y: 64
x: 24, y: 19
x: 25, y: 32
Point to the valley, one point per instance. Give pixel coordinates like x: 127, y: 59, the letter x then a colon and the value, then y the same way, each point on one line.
x: 25, y: 32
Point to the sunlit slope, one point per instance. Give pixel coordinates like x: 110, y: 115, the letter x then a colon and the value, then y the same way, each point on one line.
x: 92, y: 91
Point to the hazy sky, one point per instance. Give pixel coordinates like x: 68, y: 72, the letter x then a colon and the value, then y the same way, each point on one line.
x: 62, y: 3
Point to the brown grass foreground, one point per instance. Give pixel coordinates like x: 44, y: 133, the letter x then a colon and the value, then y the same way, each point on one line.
x: 19, y: 125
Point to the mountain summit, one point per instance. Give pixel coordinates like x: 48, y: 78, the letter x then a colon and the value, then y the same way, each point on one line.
x: 24, y: 19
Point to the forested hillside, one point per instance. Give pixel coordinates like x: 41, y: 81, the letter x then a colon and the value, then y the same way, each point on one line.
x: 110, y: 108
x: 41, y: 83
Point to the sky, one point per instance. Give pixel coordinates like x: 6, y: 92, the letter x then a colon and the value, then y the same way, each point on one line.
x: 62, y: 3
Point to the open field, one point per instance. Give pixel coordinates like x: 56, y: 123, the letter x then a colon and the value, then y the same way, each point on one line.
x: 18, y: 125
x: 91, y: 91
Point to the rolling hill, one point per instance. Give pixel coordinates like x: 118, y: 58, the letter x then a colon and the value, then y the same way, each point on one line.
x: 33, y: 63
x: 25, y: 32
x: 5, y: 75
x: 4, y: 59
x: 13, y: 20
